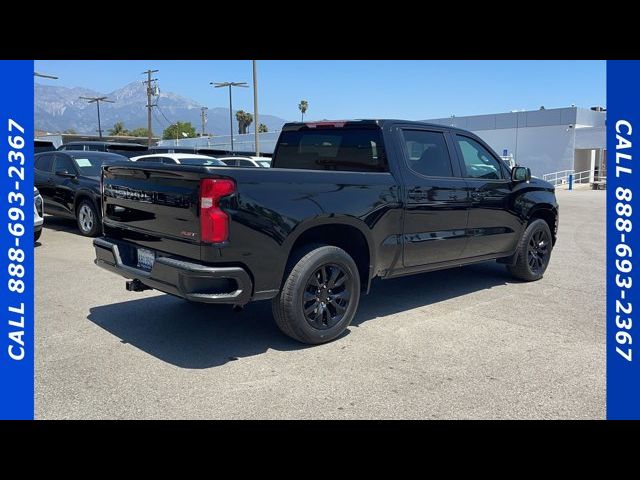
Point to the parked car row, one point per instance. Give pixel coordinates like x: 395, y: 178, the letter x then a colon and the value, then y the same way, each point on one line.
x: 130, y: 150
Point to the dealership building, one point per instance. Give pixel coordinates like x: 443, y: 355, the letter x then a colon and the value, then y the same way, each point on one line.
x: 545, y: 140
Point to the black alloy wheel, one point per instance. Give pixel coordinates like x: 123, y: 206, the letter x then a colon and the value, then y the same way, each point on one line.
x: 538, y: 251
x: 319, y: 295
x: 533, y: 253
x: 326, y: 296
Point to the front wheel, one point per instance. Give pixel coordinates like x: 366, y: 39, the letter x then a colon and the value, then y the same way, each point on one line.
x: 534, y: 252
x: 87, y: 218
x: 319, y: 297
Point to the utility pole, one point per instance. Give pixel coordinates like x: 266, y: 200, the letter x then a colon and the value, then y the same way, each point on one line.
x: 150, y: 93
x: 97, y: 101
x: 256, y: 120
x: 203, y: 117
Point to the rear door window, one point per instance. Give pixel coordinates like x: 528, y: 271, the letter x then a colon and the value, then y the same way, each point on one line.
x: 44, y: 163
x: 428, y: 153
x: 342, y: 149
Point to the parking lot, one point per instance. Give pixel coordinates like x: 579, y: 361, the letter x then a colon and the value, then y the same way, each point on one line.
x: 462, y: 343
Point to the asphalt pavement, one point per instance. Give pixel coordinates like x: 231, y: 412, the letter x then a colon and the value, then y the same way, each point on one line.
x: 464, y: 343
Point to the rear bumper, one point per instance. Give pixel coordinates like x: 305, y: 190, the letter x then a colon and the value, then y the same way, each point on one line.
x: 192, y: 281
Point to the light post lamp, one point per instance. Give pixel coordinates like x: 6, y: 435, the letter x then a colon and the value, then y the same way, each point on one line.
x: 230, y: 84
x: 44, y: 75
x: 97, y: 101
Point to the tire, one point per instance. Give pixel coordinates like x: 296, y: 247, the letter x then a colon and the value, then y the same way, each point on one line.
x: 88, y: 219
x: 36, y: 235
x: 331, y: 272
x: 534, y: 252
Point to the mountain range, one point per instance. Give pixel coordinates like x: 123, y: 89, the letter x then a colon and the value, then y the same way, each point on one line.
x: 58, y: 109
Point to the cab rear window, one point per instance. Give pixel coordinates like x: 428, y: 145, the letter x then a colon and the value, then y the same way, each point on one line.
x: 342, y: 149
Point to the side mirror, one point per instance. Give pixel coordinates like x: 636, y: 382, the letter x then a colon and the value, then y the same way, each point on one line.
x: 65, y: 173
x: 520, y: 174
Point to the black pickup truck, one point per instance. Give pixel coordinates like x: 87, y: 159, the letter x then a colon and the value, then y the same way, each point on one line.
x: 344, y: 202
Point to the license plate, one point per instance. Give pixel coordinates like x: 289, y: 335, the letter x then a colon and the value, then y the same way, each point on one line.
x: 146, y: 258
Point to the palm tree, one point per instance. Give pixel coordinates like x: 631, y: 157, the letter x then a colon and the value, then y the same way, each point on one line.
x: 303, y: 106
x: 118, y: 129
x: 248, y: 120
x: 244, y: 120
x: 262, y: 128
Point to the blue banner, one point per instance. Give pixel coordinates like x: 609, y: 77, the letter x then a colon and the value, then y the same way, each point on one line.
x: 623, y: 247
x: 16, y: 240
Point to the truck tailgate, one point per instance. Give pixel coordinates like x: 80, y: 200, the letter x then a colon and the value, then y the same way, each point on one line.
x: 154, y: 206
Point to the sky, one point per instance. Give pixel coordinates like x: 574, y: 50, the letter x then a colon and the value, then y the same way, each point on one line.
x: 342, y: 89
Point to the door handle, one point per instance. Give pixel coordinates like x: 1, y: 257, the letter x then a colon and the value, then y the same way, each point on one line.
x: 417, y: 194
x: 477, y: 196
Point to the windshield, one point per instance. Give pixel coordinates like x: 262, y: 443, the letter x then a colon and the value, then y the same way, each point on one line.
x: 90, y: 165
x: 201, y: 161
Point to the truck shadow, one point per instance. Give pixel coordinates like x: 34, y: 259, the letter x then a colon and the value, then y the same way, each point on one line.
x: 198, y: 336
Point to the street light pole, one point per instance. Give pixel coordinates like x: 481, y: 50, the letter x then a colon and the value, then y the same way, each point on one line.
x: 230, y: 84
x: 99, y: 125
x: 256, y: 120
x: 97, y: 101
x: 231, y: 118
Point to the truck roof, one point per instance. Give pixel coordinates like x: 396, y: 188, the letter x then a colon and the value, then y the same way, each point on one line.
x: 380, y: 122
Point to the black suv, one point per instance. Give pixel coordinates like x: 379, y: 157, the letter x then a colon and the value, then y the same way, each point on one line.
x: 127, y: 149
x: 69, y: 182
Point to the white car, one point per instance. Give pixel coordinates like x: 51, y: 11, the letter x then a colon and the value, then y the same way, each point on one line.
x: 180, y: 159
x: 38, y: 214
x: 237, y: 161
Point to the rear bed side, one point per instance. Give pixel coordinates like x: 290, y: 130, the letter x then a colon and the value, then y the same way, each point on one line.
x: 157, y: 207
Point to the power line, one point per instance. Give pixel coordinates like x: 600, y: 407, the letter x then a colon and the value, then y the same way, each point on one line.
x: 162, y: 113
x: 155, y: 115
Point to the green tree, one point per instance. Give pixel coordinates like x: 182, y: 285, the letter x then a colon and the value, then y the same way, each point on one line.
x: 70, y: 131
x: 139, y: 132
x: 262, y: 128
x: 244, y: 120
x: 303, y: 107
x: 177, y: 129
x: 118, y: 129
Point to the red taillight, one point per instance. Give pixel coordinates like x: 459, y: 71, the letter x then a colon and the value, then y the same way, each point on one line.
x: 214, y: 223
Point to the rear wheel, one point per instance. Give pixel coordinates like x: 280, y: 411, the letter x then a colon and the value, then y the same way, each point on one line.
x: 534, y: 252
x: 319, y: 297
x: 87, y: 218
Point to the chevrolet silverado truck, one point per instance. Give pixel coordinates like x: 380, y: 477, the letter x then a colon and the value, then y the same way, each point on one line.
x: 344, y: 202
